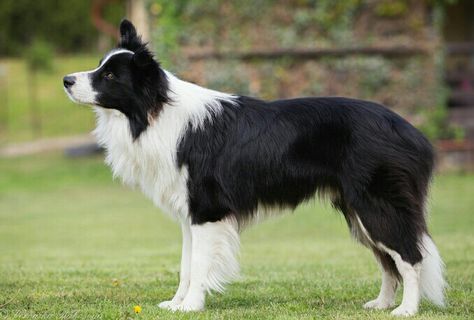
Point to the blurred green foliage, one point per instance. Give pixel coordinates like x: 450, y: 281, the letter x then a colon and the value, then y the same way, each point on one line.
x: 392, y: 8
x: 66, y: 25
x: 39, y: 56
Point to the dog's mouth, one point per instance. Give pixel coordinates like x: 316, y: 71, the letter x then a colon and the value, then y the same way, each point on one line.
x: 80, y: 97
x: 70, y: 96
x: 73, y: 98
x: 83, y: 102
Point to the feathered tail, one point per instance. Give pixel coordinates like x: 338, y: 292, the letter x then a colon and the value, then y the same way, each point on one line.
x: 432, y: 283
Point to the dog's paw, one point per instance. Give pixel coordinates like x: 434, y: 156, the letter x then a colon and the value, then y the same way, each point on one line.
x: 187, y: 305
x: 378, y: 304
x: 403, y: 311
x: 169, y: 304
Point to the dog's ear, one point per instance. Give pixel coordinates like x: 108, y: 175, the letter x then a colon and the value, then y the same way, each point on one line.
x: 127, y: 30
x: 129, y: 39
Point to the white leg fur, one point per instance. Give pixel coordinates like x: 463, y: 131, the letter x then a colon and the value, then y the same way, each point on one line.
x: 432, y: 269
x: 386, y: 297
x: 215, y: 247
x: 185, y: 272
x: 411, y: 284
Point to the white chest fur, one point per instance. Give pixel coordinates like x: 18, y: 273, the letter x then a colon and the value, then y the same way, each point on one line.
x: 148, y: 163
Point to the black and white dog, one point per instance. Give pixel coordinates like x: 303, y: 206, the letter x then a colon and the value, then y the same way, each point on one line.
x: 218, y: 162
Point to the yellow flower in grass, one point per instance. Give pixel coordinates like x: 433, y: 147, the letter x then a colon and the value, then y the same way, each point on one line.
x: 115, y: 282
x: 137, y: 309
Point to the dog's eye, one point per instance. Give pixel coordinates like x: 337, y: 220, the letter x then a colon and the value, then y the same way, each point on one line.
x: 108, y: 75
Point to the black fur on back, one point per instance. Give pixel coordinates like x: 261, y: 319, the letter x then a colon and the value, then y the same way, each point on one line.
x: 282, y: 153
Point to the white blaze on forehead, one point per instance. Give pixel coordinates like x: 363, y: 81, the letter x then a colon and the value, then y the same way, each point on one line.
x: 110, y: 55
x: 82, y: 91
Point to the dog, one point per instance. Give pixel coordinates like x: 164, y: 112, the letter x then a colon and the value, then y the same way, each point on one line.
x: 219, y: 162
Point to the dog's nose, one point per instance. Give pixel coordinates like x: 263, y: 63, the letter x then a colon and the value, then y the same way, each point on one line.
x: 69, y: 81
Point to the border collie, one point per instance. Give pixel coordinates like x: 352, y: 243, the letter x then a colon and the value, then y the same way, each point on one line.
x: 218, y: 162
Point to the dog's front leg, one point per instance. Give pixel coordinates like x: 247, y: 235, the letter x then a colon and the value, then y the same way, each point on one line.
x: 214, y: 263
x: 185, y: 270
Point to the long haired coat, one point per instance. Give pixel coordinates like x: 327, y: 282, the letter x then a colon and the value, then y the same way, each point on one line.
x: 217, y: 162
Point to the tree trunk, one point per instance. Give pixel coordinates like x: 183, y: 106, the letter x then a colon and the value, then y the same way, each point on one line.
x: 138, y: 14
x: 3, y: 105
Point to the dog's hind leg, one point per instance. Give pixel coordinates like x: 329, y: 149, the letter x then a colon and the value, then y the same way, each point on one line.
x: 185, y: 270
x: 390, y: 275
x: 396, y: 230
x: 386, y: 297
x: 214, y: 251
x: 411, y: 284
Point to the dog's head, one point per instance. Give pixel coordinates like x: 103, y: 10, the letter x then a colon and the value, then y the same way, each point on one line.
x: 127, y: 79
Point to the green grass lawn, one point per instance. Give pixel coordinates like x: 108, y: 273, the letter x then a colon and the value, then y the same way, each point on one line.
x: 59, y: 116
x: 75, y: 245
